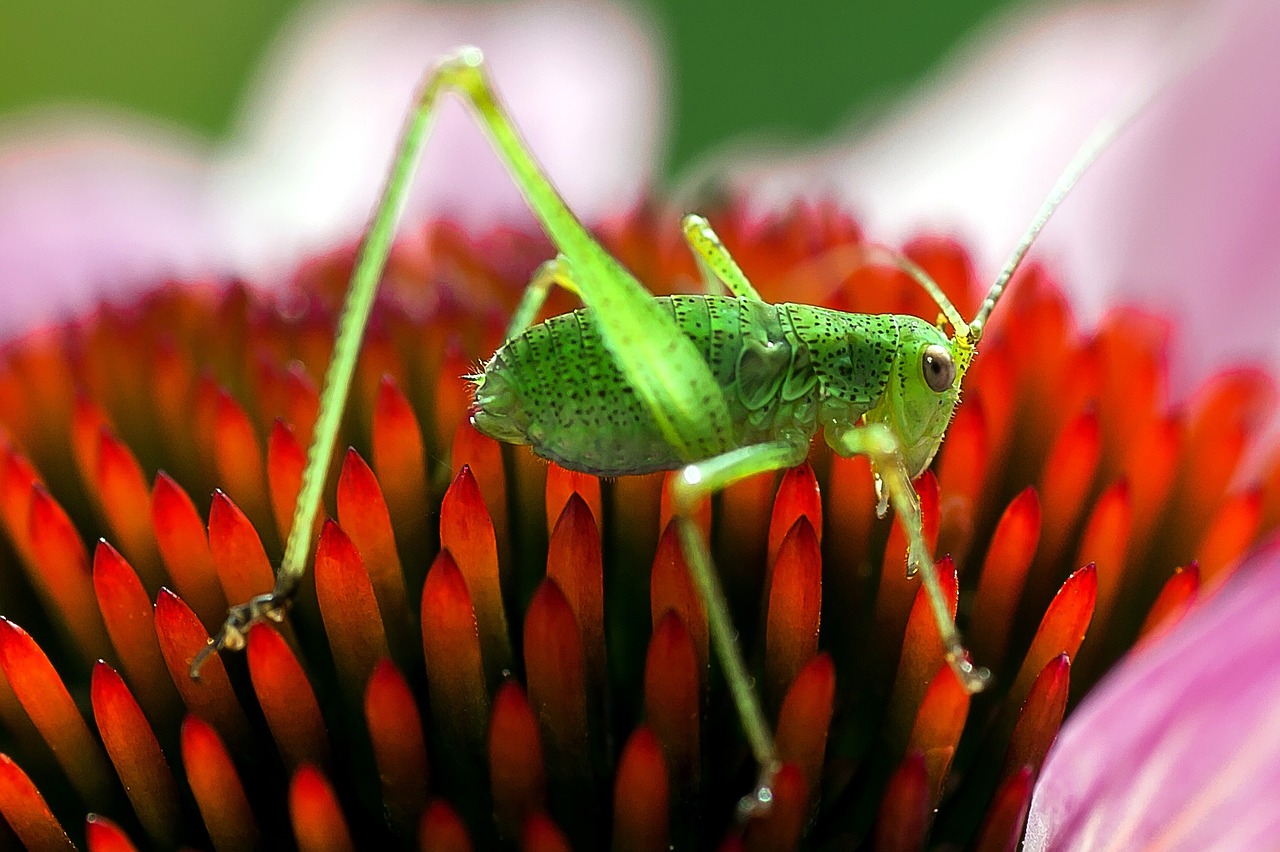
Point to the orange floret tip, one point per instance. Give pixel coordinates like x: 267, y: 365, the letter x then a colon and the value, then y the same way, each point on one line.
x: 399, y: 458
x: 399, y: 748
x: 129, y: 615
x: 242, y: 564
x: 1104, y: 542
x: 467, y: 532
x: 47, y: 702
x: 795, y: 608
x: 451, y: 648
x: 1131, y: 347
x: 922, y: 650
x: 517, y: 772
x: 555, y: 671
x: 1002, y: 828
x: 365, y: 519
x: 184, y: 547
x: 562, y: 484
x: 287, y: 699
x: 805, y: 718
x: 134, y: 751
x: 1061, y: 630
x: 1149, y: 469
x: 671, y: 589
x: 575, y: 562
x: 904, y: 808
x: 317, y: 819
x: 540, y: 834
x: 103, y: 835
x: 211, y: 697
x: 798, y: 496
x: 483, y: 456
x: 27, y: 812
x: 88, y: 421
x: 962, y: 473
x: 640, y: 795
x: 217, y: 788
x: 1065, y: 481
x: 1231, y: 532
x: 1004, y: 573
x: 349, y: 607
x: 126, y: 504
x: 1174, y: 601
x: 673, y: 697
x: 1227, y: 412
x: 938, y: 725
x: 64, y: 575
x: 286, y: 458
x: 239, y: 460
x: 17, y: 479
x: 441, y: 829
x: 1040, y: 717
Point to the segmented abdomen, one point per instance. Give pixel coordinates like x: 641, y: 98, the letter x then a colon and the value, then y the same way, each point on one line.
x: 556, y: 388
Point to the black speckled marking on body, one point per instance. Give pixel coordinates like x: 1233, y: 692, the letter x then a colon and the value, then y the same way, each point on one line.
x: 853, y: 354
x: 555, y: 387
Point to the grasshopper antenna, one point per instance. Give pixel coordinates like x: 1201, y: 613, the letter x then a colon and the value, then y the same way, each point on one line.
x: 855, y: 256
x: 916, y: 272
x: 1099, y: 140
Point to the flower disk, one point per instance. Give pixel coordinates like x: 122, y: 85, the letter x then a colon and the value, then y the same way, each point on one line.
x: 498, y: 651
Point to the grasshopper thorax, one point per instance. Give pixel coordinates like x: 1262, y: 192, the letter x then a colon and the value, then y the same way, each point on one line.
x: 922, y: 391
x: 892, y: 369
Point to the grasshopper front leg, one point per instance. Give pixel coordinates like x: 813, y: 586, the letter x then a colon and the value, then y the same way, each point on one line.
x: 881, y: 445
x: 714, y: 260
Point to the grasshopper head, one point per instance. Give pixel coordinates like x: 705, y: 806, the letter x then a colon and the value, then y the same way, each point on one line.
x: 923, y: 390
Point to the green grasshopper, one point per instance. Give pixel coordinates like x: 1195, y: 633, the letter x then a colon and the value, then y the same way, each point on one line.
x: 717, y: 387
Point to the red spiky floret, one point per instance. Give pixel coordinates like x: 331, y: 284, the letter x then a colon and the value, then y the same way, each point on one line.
x: 531, y: 665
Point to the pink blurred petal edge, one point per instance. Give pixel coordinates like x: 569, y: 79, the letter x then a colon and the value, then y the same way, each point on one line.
x: 1178, y: 216
x: 1179, y: 747
x: 94, y: 204
x: 97, y: 203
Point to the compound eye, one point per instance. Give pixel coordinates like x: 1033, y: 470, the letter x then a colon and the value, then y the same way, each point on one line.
x: 939, y: 369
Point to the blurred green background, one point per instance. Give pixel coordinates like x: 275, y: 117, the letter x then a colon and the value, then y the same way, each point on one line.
x: 797, y: 68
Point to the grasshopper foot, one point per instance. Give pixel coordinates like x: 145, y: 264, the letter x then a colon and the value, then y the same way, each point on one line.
x: 235, y: 629
x: 760, y: 800
x: 973, y: 678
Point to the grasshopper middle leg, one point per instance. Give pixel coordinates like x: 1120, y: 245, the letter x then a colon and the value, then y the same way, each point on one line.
x: 692, y: 484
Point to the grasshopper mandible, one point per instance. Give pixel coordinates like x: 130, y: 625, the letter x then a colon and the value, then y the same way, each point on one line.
x: 717, y: 387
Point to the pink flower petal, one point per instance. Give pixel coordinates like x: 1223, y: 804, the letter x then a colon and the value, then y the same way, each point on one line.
x: 1179, y: 214
x: 92, y: 206
x: 1179, y: 747
x: 95, y: 205
x: 581, y: 79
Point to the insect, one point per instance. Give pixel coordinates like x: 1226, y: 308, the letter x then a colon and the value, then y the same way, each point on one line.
x: 718, y: 387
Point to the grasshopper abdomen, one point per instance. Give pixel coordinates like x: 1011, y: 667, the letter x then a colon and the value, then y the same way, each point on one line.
x: 555, y: 387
